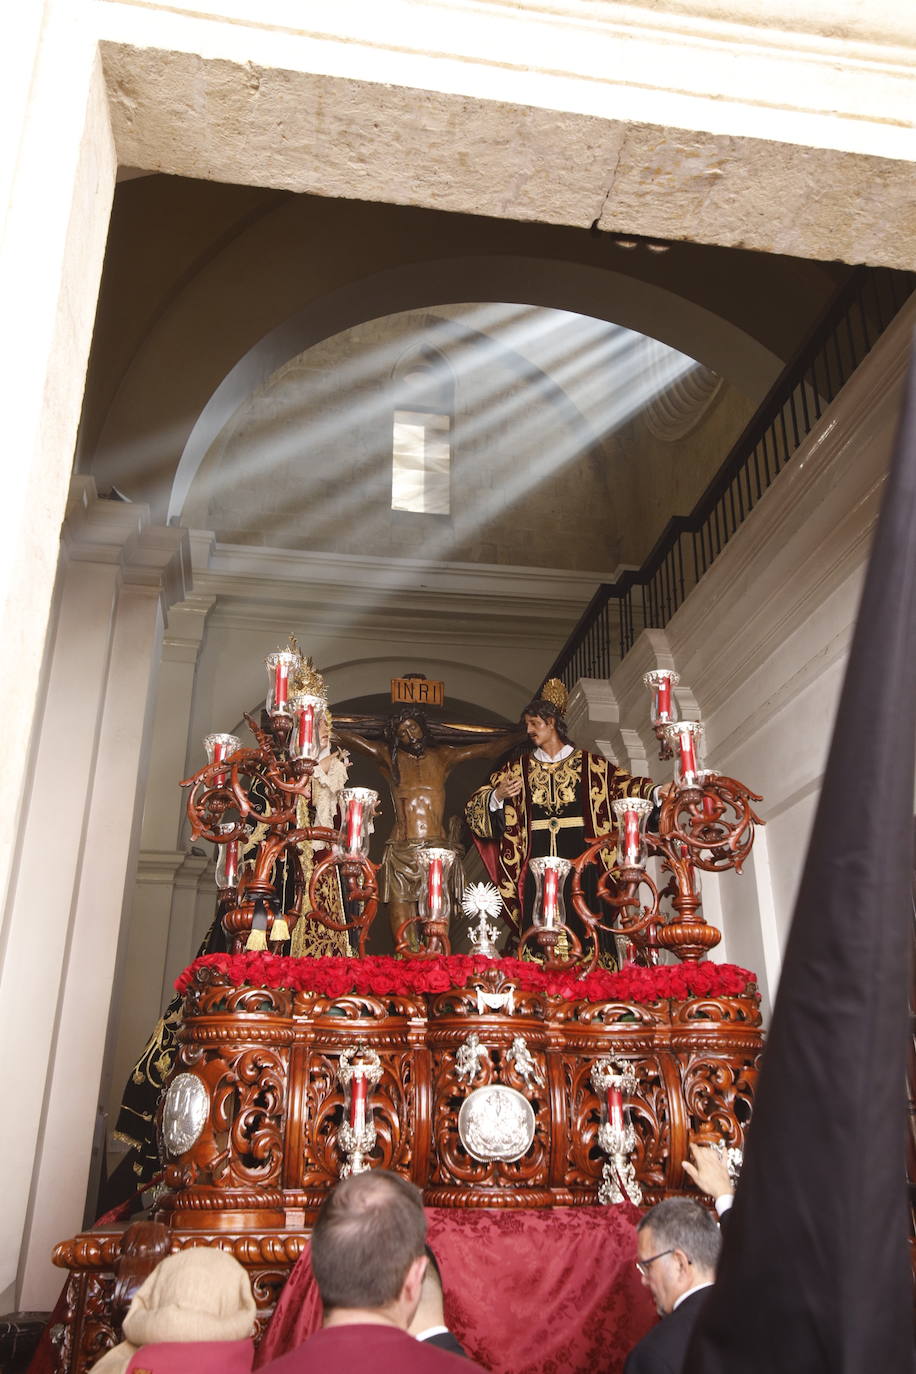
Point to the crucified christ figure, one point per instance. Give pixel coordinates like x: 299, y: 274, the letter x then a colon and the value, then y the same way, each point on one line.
x: 415, y: 758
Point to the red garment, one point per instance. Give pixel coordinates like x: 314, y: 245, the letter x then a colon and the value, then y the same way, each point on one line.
x: 526, y: 1292
x: 376, y: 1349
x: 193, y: 1357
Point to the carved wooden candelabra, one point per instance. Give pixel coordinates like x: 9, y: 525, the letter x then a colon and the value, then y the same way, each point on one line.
x: 242, y: 789
x: 705, y: 822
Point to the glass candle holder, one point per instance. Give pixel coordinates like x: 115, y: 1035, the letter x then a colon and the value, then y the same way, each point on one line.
x: 220, y: 746
x: 712, y: 807
x: 632, y: 815
x: 357, y: 1096
x: 280, y: 668
x: 227, y: 858
x: 549, y: 901
x: 661, y: 682
x: 686, y: 738
x: 434, y: 902
x: 357, y: 807
x: 614, y: 1108
x: 304, y: 738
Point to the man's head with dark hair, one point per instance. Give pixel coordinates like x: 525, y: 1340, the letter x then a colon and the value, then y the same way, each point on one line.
x: 677, y: 1248
x: 407, y: 729
x: 368, y: 1245
x: 540, y: 709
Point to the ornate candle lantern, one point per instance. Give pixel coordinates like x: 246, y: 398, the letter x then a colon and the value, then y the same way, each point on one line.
x: 626, y: 951
x: 227, y: 858
x: 632, y: 815
x: 549, y: 901
x: 686, y: 736
x: 357, y: 807
x: 280, y: 668
x: 434, y: 905
x: 613, y: 1080
x: 661, y: 682
x: 356, y: 1136
x: 549, y: 914
x: 304, y: 738
x: 221, y: 746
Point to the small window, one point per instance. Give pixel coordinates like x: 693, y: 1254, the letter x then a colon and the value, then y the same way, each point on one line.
x: 421, y: 457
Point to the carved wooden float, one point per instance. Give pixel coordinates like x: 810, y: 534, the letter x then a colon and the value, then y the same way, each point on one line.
x: 266, y: 1105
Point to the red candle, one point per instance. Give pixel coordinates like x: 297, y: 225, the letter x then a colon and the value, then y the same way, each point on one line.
x: 218, y: 748
x: 359, y: 1093
x: 281, y: 684
x: 615, y: 1108
x: 354, y: 826
x: 550, y: 896
x: 306, y: 732
x: 663, y: 700
x: 434, y: 887
x: 631, y: 837
x: 709, y: 807
x: 688, y: 755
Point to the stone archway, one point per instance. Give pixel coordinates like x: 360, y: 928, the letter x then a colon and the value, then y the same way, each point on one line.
x: 604, y: 294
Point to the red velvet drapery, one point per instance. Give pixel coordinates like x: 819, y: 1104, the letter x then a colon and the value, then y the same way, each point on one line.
x: 526, y: 1292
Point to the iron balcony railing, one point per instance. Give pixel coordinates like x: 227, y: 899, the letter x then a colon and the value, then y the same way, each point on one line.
x: 648, y: 597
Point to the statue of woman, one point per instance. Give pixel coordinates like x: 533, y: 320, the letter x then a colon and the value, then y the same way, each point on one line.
x: 322, y: 807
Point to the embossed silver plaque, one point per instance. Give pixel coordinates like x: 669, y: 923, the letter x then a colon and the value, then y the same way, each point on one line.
x: 184, y: 1112
x: 496, y: 1123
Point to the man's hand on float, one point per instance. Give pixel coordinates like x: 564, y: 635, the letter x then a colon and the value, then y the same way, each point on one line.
x: 709, y: 1170
x: 508, y: 787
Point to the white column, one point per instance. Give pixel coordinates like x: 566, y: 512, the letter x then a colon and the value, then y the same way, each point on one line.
x: 40, y: 914
x: 57, y: 174
x: 78, y: 854
x: 163, y: 812
x: 159, y: 934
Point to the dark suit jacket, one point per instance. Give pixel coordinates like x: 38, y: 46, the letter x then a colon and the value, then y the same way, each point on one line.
x: 446, y: 1341
x: 662, y: 1350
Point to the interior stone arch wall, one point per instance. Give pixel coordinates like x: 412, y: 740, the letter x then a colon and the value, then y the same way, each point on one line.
x: 306, y: 461
x: 269, y: 281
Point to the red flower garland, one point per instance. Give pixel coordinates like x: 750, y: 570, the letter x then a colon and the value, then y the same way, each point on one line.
x: 384, y: 977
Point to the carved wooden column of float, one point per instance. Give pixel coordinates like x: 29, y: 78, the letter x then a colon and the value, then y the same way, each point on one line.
x: 224, y: 1116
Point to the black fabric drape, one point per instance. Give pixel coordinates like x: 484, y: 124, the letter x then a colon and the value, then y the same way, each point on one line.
x: 814, y: 1275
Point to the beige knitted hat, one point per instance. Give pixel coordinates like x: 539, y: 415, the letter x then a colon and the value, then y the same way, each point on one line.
x: 200, y: 1294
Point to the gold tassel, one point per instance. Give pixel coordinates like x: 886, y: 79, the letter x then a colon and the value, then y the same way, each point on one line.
x: 256, y: 940
x: 279, y: 931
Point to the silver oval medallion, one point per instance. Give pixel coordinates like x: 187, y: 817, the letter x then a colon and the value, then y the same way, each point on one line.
x: 184, y: 1112
x: 496, y: 1123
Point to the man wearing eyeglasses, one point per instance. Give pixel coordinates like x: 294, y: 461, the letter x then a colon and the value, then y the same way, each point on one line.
x: 677, y: 1247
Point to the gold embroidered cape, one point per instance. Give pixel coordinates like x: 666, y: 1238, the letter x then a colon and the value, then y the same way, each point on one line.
x: 576, y: 791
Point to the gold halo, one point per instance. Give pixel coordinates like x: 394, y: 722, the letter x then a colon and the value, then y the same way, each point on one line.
x: 555, y: 692
x: 308, y: 679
